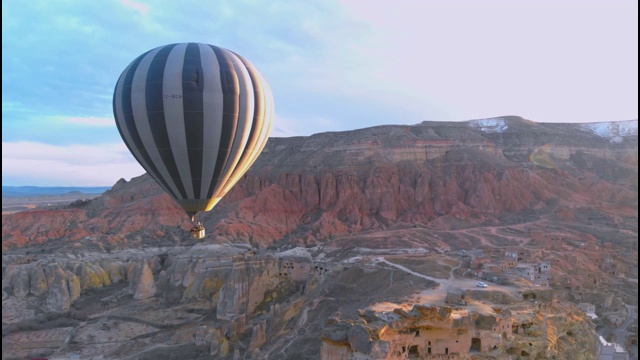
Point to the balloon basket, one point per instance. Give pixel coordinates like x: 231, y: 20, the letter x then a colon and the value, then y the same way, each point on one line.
x: 197, y: 232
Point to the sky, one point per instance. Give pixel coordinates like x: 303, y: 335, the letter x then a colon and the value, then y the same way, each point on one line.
x: 332, y: 66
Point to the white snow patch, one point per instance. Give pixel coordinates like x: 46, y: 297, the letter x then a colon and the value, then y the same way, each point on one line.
x: 615, y: 131
x: 296, y: 252
x: 414, y: 251
x: 492, y: 125
x: 353, y: 259
x: 419, y: 251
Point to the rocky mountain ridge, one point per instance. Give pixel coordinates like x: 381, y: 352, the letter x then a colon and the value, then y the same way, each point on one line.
x: 309, y: 189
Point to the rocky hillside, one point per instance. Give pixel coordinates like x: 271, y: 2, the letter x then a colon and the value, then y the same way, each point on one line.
x: 227, y: 301
x: 305, y: 190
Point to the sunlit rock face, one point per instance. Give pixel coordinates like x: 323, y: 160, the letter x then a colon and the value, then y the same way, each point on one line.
x: 59, y: 295
x: 142, y: 282
x: 62, y: 281
x: 427, y: 332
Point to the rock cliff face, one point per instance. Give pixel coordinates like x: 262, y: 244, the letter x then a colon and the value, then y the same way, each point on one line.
x: 243, y: 292
x: 310, y: 189
x: 61, y: 281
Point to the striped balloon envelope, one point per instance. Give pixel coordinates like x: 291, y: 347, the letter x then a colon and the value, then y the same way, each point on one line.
x: 196, y: 117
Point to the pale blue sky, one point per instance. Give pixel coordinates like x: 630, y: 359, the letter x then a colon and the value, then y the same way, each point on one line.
x: 332, y: 65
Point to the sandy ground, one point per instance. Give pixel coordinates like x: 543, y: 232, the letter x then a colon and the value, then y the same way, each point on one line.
x: 436, y: 295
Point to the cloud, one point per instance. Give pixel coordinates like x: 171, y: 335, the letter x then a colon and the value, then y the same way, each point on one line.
x: 288, y: 126
x: 140, y: 7
x: 30, y: 163
x: 91, y: 121
x: 484, y: 59
x: 332, y: 65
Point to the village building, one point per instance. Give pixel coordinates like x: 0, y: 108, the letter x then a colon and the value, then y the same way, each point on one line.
x: 611, y: 351
x: 492, y: 268
x: 455, y: 297
x: 428, y: 341
x: 588, y: 309
x: 541, y: 281
x: 543, y: 267
x: 296, y: 271
x: 508, y: 264
x: 504, y: 327
x: 526, y: 271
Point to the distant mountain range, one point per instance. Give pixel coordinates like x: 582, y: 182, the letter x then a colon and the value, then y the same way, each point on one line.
x: 25, y: 191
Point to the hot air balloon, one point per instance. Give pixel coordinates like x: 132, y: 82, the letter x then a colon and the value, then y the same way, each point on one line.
x: 196, y: 117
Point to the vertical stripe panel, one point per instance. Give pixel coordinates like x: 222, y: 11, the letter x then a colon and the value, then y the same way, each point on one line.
x: 230, y: 104
x: 174, y: 114
x: 193, y: 81
x: 155, y: 103
x: 257, y: 124
x: 212, y: 112
x: 247, y: 104
x: 139, y: 107
x: 127, y: 127
x: 268, y: 119
x: 245, y: 119
x: 266, y: 131
x: 259, y: 107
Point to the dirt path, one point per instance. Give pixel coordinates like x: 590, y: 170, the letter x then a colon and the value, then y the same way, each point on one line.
x: 621, y: 331
x: 446, y: 284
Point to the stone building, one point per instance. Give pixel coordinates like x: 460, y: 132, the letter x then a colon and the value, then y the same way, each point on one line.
x: 543, y: 267
x: 296, y: 271
x: 511, y: 254
x: 431, y: 341
x: 541, y: 281
x: 455, y: 297
x: 611, y: 351
x: 508, y: 264
x: 589, y: 309
x: 425, y: 332
x: 526, y: 271
x: 504, y: 327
